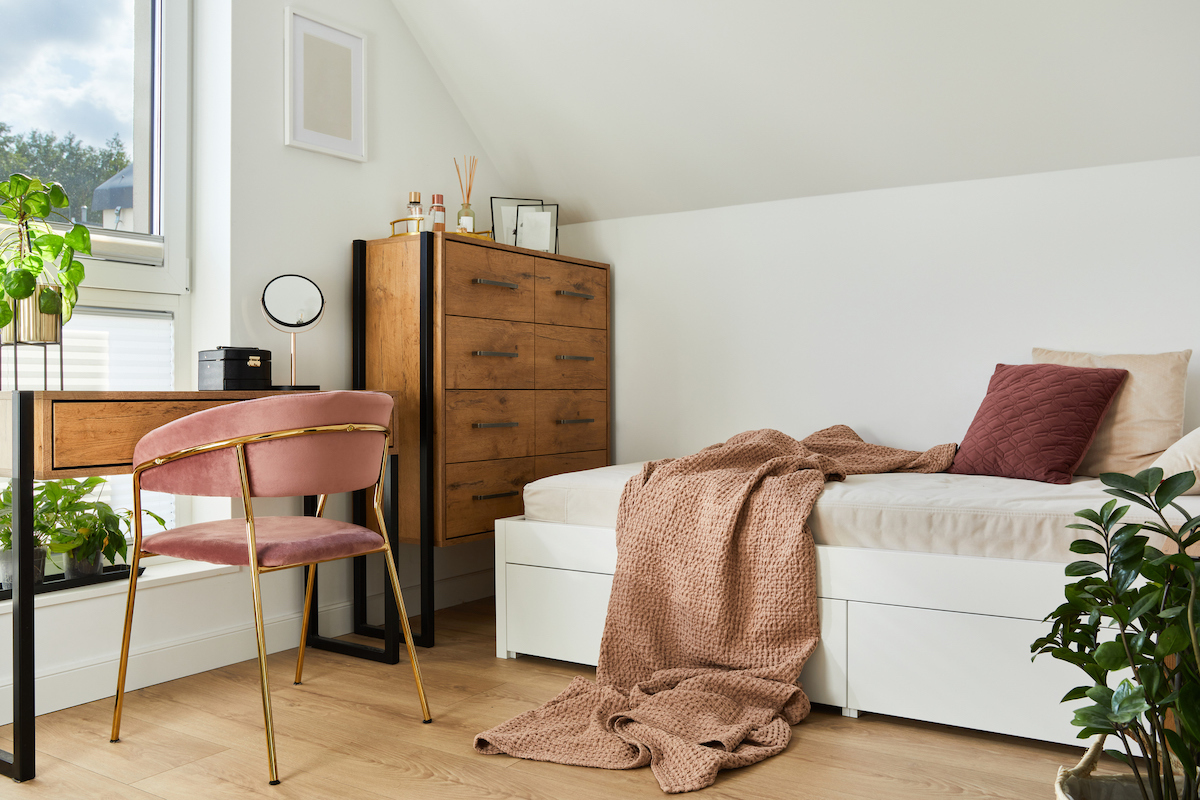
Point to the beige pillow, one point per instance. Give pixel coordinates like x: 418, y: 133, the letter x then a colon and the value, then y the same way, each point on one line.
x: 1180, y: 457
x: 1146, y: 416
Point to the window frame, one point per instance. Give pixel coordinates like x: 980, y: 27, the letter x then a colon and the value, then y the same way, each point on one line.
x: 170, y: 116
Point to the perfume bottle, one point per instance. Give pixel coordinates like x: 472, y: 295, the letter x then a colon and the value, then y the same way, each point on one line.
x: 414, y: 205
x: 437, y: 213
x: 466, y: 219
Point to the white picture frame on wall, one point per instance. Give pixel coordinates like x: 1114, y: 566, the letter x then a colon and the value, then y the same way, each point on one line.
x: 325, y: 103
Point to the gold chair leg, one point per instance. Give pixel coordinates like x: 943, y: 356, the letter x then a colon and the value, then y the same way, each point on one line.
x: 124, y: 663
x: 308, y: 597
x: 260, y: 630
x: 408, y: 639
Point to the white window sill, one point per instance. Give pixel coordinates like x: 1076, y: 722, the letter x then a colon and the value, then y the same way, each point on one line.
x: 162, y: 573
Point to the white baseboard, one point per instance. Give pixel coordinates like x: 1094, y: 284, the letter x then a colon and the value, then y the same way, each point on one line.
x: 452, y: 591
x: 59, y: 689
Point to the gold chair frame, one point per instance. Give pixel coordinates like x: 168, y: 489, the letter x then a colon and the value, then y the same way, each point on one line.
x: 239, y: 444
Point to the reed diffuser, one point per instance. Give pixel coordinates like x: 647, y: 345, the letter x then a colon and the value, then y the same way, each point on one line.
x: 466, y: 217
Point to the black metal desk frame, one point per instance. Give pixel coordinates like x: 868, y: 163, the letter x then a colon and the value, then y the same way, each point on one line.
x: 19, y: 764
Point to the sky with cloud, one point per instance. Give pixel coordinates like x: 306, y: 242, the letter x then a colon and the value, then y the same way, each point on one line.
x: 68, y: 68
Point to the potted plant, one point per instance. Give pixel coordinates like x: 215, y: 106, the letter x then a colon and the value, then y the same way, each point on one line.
x: 39, y: 555
x: 41, y: 275
x: 1111, y: 623
x: 66, y: 521
x: 87, y: 531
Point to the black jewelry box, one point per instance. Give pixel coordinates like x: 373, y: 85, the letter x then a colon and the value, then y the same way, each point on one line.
x: 244, y: 368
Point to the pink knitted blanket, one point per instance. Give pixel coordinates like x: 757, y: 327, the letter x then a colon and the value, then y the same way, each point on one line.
x: 712, y: 615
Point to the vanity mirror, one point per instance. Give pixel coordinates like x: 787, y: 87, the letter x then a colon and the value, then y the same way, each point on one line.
x: 293, y: 304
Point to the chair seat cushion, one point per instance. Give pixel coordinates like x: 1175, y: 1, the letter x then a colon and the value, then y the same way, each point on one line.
x: 281, y: 541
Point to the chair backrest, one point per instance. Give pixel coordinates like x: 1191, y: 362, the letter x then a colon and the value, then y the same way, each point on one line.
x: 319, y: 463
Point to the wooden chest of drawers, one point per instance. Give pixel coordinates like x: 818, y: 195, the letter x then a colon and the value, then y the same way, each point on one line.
x: 498, y: 358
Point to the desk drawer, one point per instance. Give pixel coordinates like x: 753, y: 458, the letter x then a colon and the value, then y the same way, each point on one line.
x: 484, y: 282
x: 571, y: 294
x: 571, y: 421
x: 483, y: 425
x: 571, y: 358
x: 489, y: 354
x: 480, y: 492
x: 104, y: 433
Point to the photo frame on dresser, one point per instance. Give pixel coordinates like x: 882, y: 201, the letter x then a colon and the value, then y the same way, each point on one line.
x: 537, y: 227
x: 504, y: 217
x: 325, y: 101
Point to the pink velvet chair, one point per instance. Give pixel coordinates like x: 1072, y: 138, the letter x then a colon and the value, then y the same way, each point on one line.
x: 289, y: 446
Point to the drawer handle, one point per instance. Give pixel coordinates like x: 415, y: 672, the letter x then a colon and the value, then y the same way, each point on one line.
x: 494, y: 353
x: 574, y: 421
x: 575, y: 358
x: 501, y: 284
x: 513, y: 493
x: 565, y: 293
x: 495, y: 424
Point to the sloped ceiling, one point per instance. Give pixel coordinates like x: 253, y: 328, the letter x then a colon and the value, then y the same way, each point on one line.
x: 623, y: 108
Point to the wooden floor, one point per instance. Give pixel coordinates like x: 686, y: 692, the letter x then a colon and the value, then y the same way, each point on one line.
x: 354, y: 730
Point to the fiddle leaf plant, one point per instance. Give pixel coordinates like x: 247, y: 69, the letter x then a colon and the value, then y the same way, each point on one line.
x: 33, y: 255
x: 1114, y: 625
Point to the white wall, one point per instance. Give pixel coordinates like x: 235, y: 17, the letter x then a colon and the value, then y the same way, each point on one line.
x: 298, y: 211
x: 888, y: 310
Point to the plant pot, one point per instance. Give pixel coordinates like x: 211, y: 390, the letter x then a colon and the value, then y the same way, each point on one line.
x: 30, y: 324
x: 1078, y: 783
x: 78, y: 568
x: 6, y: 566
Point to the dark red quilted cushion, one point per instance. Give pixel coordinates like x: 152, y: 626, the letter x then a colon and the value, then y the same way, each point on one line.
x: 1037, y: 421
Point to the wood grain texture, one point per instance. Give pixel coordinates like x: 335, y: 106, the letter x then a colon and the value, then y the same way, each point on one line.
x: 105, y: 433
x: 545, y: 466
x: 393, y: 361
x: 560, y: 427
x: 553, y: 372
x: 77, y: 434
x: 580, y: 312
x: 466, y: 409
x: 351, y: 731
x: 466, y: 336
x: 466, y: 298
x: 466, y: 515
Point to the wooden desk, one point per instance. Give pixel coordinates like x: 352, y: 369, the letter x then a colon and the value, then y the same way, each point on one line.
x: 79, y: 434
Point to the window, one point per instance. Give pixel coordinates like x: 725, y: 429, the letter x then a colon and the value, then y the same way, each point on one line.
x: 96, y: 97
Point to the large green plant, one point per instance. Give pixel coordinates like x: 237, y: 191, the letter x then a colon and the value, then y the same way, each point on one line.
x: 32, y: 252
x: 67, y: 521
x: 1111, y: 622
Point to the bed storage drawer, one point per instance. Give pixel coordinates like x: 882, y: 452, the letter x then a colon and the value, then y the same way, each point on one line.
x: 569, y: 547
x: 489, y: 354
x: 556, y: 613
x: 483, y: 425
x: 488, y: 282
x: 571, y: 421
x: 969, y: 670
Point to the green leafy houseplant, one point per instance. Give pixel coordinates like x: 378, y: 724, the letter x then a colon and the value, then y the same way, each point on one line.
x: 68, y: 522
x: 33, y: 256
x: 1108, y: 624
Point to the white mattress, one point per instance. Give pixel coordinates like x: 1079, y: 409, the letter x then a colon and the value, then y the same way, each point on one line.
x: 973, y: 515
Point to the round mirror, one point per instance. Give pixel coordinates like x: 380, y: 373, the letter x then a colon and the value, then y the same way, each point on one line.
x: 293, y: 302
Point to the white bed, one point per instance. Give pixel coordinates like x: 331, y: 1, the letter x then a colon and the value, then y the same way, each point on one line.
x: 931, y: 589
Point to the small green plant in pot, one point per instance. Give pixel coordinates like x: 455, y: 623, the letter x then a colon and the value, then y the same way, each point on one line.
x: 66, y: 522
x: 39, y: 555
x: 88, y: 531
x: 1112, y: 623
x: 41, y: 276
